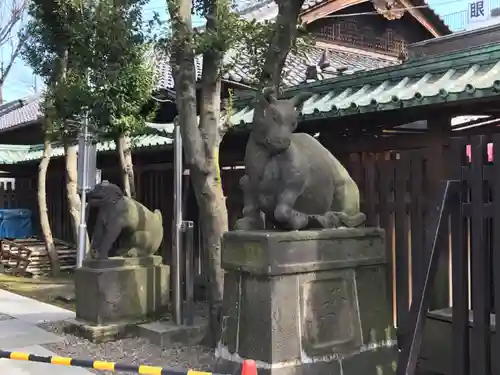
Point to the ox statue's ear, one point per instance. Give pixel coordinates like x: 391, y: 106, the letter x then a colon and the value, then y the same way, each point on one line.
x: 267, y: 96
x: 301, y: 98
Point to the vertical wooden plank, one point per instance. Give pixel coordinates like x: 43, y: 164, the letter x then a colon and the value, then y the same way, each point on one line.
x: 2, y: 196
x: 416, y: 221
x: 401, y: 239
x: 369, y: 190
x: 386, y: 173
x: 155, y: 193
x: 151, y: 188
x: 460, y: 266
x: 496, y: 243
x: 356, y: 172
x: 479, y: 258
x: 9, y: 195
x: 138, y: 182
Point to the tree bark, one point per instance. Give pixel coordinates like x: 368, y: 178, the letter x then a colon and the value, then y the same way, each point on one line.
x: 201, y: 146
x: 74, y: 201
x: 210, y: 196
x: 42, y: 208
x: 124, y: 150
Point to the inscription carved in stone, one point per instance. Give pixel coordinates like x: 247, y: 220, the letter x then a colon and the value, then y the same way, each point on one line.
x: 327, y: 322
x: 330, y: 318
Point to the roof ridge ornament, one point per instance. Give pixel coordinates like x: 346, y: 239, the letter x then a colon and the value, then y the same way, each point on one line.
x: 390, y: 9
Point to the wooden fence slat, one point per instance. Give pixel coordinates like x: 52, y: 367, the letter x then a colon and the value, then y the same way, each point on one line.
x: 369, y: 191
x: 401, y: 239
x: 2, y: 197
x: 416, y: 221
x: 479, y: 258
x: 10, y: 196
x: 496, y: 243
x: 386, y: 222
x: 355, y: 168
x: 460, y: 268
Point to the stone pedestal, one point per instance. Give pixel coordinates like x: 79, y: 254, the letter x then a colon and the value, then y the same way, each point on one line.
x: 115, y: 294
x: 308, y: 302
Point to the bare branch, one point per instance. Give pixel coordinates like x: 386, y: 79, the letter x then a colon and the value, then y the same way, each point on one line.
x: 281, y: 42
x: 13, y: 56
x: 11, y: 16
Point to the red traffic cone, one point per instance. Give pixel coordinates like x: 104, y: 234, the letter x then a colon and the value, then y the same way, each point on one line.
x: 249, y: 367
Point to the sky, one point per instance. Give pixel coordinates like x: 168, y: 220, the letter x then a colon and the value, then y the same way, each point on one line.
x: 22, y: 83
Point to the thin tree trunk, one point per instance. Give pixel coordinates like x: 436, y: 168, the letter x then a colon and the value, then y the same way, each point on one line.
x: 124, y: 150
x: 74, y: 202
x: 207, y: 184
x: 58, y: 73
x: 214, y: 223
x: 201, y: 145
x: 42, y: 208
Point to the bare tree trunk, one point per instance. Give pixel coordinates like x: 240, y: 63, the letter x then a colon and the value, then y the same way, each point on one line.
x: 124, y: 150
x: 42, y: 208
x: 74, y: 202
x: 214, y: 223
x: 201, y: 146
x: 209, y: 193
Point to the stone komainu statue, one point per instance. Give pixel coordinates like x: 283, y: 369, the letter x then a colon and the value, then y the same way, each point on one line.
x: 139, y: 230
x: 295, y: 181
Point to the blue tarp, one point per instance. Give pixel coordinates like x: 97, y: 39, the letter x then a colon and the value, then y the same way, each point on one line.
x: 15, y: 223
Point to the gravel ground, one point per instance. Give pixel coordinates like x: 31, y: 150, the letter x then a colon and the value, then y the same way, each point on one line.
x: 131, y: 351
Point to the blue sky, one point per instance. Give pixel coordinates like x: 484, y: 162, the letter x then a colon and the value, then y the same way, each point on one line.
x: 21, y: 82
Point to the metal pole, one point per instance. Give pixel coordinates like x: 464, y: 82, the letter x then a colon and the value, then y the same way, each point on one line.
x: 82, y: 228
x: 188, y: 244
x: 177, y: 235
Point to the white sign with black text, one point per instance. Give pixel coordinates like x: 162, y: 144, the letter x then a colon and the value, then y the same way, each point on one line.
x: 478, y: 10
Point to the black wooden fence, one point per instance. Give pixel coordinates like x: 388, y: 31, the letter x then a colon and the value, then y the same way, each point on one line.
x: 463, y: 338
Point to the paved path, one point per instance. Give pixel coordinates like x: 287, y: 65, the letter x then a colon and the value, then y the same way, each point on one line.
x: 31, y: 311
x: 22, y: 334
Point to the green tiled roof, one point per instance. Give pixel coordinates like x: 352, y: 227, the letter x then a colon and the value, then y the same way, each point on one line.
x: 14, y: 154
x: 453, y: 77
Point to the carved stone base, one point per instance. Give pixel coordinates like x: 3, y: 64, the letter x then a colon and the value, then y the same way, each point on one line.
x: 307, y: 302
x: 119, y: 292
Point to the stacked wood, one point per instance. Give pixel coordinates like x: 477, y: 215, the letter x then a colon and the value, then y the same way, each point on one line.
x: 16, y: 262
x: 38, y: 259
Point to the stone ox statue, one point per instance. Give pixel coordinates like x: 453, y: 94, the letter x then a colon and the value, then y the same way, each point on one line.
x: 139, y: 230
x: 295, y: 181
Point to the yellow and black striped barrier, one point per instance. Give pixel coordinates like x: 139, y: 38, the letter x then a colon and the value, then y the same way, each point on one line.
x: 111, y: 366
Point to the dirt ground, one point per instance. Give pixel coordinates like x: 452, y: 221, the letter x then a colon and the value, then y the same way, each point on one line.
x: 59, y: 292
